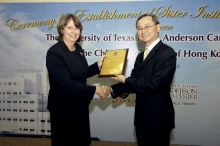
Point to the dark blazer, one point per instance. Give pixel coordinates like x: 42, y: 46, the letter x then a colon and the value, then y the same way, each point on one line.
x: 150, y: 80
x: 67, y: 77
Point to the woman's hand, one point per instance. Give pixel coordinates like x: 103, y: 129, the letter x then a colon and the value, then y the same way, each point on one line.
x: 101, y: 61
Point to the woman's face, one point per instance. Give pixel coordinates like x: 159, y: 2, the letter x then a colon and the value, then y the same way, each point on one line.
x: 70, y: 32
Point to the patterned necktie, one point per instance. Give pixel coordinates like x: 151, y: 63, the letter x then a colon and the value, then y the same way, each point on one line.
x: 146, y: 52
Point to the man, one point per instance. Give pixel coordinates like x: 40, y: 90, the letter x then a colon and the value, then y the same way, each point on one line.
x: 150, y: 79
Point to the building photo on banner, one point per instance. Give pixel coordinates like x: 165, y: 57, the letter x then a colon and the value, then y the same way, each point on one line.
x: 190, y: 27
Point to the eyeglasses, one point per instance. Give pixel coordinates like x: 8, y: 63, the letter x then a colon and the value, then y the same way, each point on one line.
x: 145, y: 28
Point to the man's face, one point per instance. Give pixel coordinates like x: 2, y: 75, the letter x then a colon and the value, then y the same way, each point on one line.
x: 147, y: 30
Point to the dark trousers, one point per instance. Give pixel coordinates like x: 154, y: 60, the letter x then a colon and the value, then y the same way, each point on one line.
x: 70, y: 129
x: 152, y: 139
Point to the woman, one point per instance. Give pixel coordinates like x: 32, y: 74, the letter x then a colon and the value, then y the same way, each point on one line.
x: 69, y: 95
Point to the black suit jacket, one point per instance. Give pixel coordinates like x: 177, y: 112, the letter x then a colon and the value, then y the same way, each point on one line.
x: 67, y: 77
x: 150, y: 80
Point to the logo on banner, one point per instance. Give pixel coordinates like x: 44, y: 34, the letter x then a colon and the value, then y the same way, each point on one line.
x: 184, y: 94
x: 124, y: 98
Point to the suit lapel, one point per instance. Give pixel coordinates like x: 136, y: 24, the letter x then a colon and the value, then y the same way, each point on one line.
x: 82, y: 59
x: 152, y: 52
x: 81, y: 63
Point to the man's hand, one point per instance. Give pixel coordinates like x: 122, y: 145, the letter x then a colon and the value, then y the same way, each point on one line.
x: 103, y: 91
x: 119, y: 78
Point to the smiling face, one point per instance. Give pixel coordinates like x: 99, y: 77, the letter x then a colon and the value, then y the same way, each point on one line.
x: 70, y: 32
x: 147, y: 30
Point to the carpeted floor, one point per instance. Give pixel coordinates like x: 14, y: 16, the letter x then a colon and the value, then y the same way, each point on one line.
x: 22, y: 141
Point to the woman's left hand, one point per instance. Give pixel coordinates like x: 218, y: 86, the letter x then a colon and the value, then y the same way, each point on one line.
x: 101, y: 61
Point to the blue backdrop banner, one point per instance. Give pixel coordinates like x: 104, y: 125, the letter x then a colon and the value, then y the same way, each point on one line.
x: 190, y: 27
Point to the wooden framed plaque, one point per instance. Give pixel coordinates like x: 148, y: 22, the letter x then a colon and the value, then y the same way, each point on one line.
x: 114, y: 62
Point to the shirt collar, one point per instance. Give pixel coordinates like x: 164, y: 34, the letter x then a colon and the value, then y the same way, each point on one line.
x: 153, y: 44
